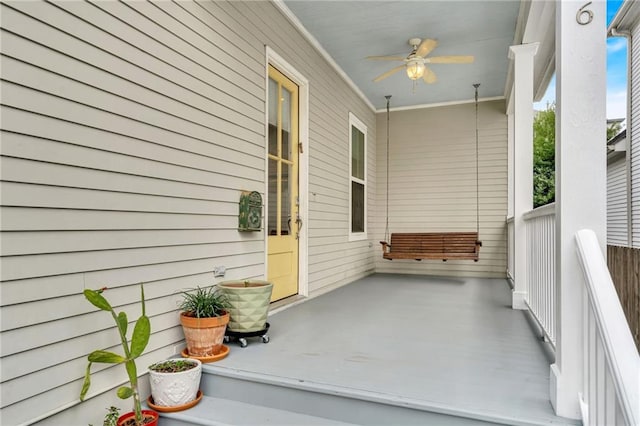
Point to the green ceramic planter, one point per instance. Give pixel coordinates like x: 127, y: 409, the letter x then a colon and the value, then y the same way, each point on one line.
x: 249, y: 303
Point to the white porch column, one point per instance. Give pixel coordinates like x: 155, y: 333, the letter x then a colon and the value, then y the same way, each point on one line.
x: 580, y: 180
x: 510, y: 194
x: 523, y: 161
x: 510, y: 161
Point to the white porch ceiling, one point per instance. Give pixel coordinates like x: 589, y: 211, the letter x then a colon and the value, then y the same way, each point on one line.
x: 350, y: 30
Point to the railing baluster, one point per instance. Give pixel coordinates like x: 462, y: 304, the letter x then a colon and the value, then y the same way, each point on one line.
x: 540, y: 225
x: 610, y: 389
x: 610, y: 402
x: 510, y: 246
x: 592, y: 377
x: 611, y: 393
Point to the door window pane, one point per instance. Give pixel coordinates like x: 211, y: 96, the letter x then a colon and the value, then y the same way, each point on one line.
x: 273, y: 117
x: 273, y: 139
x: 272, y: 216
x: 286, y: 123
x: 286, y: 200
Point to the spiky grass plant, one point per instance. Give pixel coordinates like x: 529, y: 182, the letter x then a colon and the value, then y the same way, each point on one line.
x: 206, y: 302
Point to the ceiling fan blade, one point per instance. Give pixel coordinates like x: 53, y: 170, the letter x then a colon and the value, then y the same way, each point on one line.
x: 387, y: 58
x: 450, y: 60
x: 388, y: 73
x: 426, y: 47
x: 429, y: 76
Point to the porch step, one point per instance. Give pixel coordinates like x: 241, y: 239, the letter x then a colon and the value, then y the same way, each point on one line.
x: 318, y: 403
x: 224, y: 412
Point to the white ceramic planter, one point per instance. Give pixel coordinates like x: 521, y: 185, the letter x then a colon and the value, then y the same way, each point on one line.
x: 174, y: 389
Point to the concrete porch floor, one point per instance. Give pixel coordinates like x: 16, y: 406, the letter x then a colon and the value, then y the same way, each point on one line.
x: 445, y: 344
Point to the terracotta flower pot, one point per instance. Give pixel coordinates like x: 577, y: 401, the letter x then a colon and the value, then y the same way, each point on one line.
x: 149, y: 418
x: 248, y: 303
x: 204, y: 336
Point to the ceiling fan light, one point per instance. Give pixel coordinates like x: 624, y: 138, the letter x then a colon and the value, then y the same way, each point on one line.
x: 415, y: 69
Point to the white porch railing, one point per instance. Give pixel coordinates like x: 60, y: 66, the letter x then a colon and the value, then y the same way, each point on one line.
x: 541, y: 267
x: 511, y: 247
x: 611, y: 394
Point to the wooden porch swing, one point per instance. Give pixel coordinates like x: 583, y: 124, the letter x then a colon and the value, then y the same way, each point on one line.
x: 433, y: 245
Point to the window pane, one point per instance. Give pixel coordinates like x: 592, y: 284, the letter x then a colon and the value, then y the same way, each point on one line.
x: 286, y: 153
x: 272, y: 217
x: 357, y: 207
x: 273, y: 117
x: 273, y: 139
x: 286, y: 199
x: 357, y: 153
x: 286, y: 123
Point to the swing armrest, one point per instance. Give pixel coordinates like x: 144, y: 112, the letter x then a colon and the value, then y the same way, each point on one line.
x: 386, y: 247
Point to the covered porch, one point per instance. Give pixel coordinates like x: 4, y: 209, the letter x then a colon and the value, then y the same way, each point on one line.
x: 132, y: 128
x: 440, y: 349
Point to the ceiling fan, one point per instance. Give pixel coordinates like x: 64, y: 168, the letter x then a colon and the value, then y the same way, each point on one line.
x: 416, y: 63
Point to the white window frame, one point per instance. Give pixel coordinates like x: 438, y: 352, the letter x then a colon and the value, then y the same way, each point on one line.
x: 358, y: 124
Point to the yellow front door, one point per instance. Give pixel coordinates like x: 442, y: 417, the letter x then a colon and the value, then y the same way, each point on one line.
x: 283, y: 218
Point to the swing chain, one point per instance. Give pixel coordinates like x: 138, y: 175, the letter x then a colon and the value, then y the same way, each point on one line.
x: 386, y: 231
x: 476, y: 85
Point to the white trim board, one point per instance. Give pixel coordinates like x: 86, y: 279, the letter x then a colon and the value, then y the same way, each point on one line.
x: 441, y: 104
x: 354, y: 121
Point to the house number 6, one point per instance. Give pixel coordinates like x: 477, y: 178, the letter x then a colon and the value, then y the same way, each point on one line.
x: 584, y: 16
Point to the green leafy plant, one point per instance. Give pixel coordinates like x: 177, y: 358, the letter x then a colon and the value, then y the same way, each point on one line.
x: 173, y: 366
x: 544, y: 136
x: 204, y: 302
x: 111, y: 418
x: 139, y: 340
x: 613, y: 128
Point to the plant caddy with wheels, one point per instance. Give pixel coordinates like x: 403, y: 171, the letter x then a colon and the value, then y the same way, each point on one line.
x: 248, y: 306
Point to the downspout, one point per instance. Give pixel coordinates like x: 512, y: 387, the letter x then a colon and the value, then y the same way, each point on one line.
x: 627, y: 34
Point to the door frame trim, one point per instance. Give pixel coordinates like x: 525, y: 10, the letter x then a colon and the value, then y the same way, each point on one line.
x: 272, y: 58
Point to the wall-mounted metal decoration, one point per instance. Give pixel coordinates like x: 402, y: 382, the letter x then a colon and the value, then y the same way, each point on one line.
x: 584, y: 16
x: 250, y: 211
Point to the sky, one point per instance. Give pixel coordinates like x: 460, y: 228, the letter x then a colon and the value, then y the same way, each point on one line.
x: 616, y: 73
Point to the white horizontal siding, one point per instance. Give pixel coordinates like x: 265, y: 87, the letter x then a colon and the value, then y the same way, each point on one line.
x: 19, y: 267
x: 116, y: 179
x: 617, y: 230
x: 432, y: 183
x: 44, y: 149
x: 129, y: 130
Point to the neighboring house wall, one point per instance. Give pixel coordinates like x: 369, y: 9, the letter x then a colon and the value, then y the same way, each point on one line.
x: 634, y: 138
x: 617, y: 202
x: 432, y: 182
x: 627, y: 23
x: 129, y: 131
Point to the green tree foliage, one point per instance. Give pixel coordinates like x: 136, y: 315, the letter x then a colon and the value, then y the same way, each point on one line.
x: 613, y: 129
x: 544, y: 150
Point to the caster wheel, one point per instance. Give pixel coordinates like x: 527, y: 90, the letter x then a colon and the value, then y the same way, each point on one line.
x: 226, y: 339
x: 265, y: 339
x: 243, y: 342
